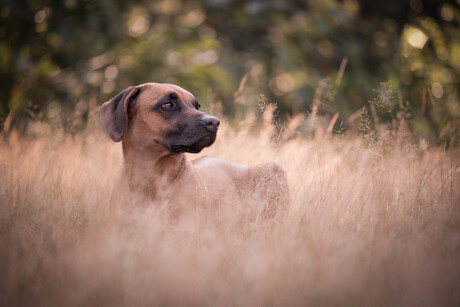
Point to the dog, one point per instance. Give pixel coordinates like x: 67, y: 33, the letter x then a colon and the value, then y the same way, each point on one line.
x: 157, y: 124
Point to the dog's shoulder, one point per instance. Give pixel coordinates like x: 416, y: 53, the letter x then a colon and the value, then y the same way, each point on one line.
x: 209, y: 162
x: 199, y: 160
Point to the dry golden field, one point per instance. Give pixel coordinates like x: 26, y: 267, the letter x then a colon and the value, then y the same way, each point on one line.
x: 368, y: 225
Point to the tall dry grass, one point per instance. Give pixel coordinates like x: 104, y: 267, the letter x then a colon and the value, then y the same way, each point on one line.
x: 367, y: 225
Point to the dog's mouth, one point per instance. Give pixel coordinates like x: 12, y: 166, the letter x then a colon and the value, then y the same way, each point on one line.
x: 195, y: 147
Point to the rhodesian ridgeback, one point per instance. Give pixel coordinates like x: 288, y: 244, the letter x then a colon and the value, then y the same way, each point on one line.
x: 157, y: 124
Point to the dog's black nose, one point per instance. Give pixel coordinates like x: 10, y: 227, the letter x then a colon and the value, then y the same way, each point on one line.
x: 211, y: 123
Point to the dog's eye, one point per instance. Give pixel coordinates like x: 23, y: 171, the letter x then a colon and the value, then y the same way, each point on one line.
x: 198, y: 106
x: 167, y: 106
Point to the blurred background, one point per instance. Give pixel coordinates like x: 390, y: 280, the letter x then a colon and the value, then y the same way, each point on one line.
x: 61, y: 59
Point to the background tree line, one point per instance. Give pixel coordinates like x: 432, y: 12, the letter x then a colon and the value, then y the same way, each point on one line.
x: 59, y: 59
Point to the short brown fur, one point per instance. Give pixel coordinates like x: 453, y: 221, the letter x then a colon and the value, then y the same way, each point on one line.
x: 155, y: 167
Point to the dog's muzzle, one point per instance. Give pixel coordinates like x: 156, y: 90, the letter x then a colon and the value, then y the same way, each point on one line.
x: 203, y: 134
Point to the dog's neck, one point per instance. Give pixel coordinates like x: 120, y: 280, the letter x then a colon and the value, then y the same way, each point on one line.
x: 152, y: 172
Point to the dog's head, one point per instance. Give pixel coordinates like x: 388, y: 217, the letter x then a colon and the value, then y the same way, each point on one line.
x: 159, y: 116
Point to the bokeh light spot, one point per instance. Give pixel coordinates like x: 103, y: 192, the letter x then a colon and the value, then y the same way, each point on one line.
x: 138, y: 25
x: 415, y: 37
x: 437, y: 90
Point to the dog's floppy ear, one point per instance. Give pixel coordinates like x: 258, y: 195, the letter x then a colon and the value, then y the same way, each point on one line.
x: 114, y: 113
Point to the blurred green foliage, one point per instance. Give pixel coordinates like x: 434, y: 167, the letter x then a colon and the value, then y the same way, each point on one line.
x: 59, y: 59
